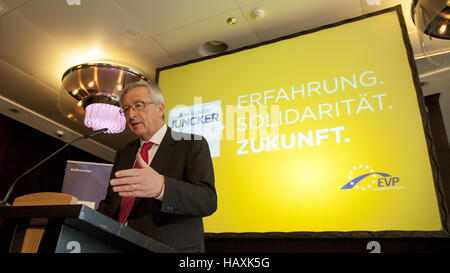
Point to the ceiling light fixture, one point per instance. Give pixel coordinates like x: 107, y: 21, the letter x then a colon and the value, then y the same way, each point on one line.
x: 73, y: 2
x: 232, y: 21
x: 432, y: 17
x: 134, y: 33
x: 96, y: 88
x: 212, y: 47
x: 258, y: 14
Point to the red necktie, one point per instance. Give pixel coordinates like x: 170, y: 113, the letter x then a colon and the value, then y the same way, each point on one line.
x: 127, y: 202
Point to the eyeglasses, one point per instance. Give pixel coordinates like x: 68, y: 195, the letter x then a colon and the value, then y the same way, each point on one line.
x: 137, y: 106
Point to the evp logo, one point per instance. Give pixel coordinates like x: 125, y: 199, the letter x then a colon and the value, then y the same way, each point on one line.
x: 367, y: 179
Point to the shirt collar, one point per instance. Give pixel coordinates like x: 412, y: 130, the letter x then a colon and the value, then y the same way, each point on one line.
x: 158, y: 136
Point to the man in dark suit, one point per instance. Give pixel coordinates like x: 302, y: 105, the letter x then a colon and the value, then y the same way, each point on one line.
x: 163, y: 183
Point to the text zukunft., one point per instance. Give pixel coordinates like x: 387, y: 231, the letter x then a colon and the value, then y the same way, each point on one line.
x: 291, y: 141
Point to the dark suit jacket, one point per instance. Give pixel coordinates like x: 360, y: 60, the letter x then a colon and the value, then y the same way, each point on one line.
x: 189, y: 193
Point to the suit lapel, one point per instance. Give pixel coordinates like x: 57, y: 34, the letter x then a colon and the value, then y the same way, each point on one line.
x: 163, y: 153
x: 130, y: 155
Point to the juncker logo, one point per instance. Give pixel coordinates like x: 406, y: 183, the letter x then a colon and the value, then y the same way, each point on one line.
x: 203, y: 119
x: 363, y: 178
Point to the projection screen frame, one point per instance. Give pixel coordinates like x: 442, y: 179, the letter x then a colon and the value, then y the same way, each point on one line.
x: 443, y: 210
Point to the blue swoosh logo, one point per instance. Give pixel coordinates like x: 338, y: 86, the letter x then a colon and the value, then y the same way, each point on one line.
x: 354, y: 181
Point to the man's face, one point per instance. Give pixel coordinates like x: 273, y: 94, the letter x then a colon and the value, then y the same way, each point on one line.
x: 146, y: 122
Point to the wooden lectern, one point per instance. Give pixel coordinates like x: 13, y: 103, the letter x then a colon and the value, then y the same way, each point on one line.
x: 51, y: 222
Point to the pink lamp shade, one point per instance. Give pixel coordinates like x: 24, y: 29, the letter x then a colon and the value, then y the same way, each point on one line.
x: 96, y: 87
x: 102, y: 115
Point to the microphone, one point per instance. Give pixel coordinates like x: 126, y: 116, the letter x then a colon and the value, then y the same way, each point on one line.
x: 11, y: 188
x: 98, y: 132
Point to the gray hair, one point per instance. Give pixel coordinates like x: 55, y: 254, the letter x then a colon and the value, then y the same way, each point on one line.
x: 154, y: 91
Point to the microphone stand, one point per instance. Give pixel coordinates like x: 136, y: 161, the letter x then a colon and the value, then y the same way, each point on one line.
x: 11, y: 188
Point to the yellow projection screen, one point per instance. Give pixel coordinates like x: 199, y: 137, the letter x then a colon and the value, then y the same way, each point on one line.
x: 317, y: 131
